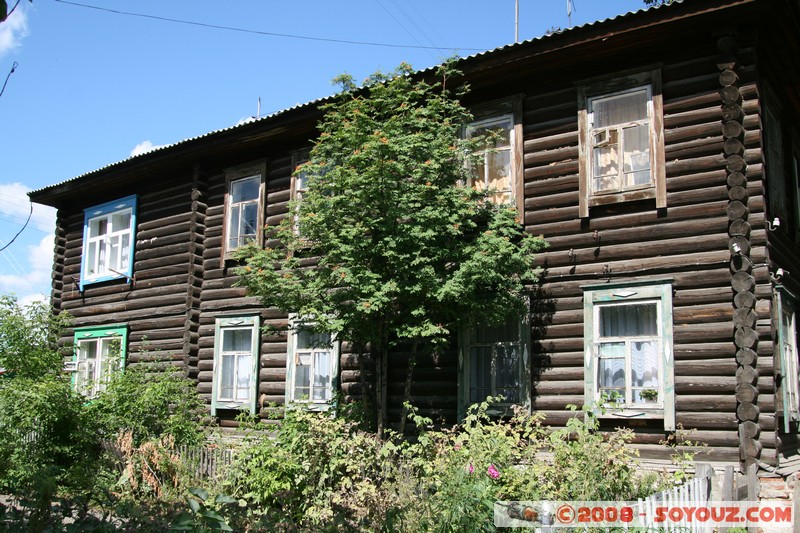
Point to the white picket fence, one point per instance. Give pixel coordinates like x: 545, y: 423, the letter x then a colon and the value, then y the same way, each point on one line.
x: 693, y: 493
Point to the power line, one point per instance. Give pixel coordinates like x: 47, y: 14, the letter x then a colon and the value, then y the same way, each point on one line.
x: 403, y: 26
x: 258, y: 32
x: 13, y: 68
x: 30, y: 213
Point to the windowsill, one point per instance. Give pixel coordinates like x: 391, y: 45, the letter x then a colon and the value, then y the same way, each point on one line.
x: 630, y: 195
x: 221, y: 404
x: 103, y: 279
x: 318, y: 406
x: 631, y: 412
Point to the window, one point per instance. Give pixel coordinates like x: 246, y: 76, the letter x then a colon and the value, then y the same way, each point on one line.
x: 99, y: 352
x: 244, y: 207
x: 299, y: 182
x: 499, y: 164
x: 628, y: 343
x: 493, y: 169
x: 787, y: 351
x: 494, y: 361
x: 236, y: 352
x: 312, y: 366
x: 108, y: 239
x: 621, y: 141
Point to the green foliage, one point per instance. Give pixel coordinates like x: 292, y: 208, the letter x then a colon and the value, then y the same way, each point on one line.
x: 150, y: 401
x: 46, y: 439
x: 402, y: 250
x: 202, y: 518
x: 323, y: 473
x: 28, y: 338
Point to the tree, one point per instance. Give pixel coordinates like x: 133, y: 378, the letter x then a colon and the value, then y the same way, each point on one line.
x: 28, y: 338
x: 386, y: 247
x: 46, y: 441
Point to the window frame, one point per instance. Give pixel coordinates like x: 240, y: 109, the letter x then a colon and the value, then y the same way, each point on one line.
x: 107, y: 210
x: 591, y: 90
x: 221, y: 325
x: 786, y: 303
x: 239, y: 173
x: 497, y: 110
x: 295, y: 325
x: 98, y: 333
x: 598, y: 295
x: 299, y: 157
x: 465, y: 363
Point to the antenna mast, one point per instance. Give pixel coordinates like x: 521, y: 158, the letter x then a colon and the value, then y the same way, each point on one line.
x: 516, y: 21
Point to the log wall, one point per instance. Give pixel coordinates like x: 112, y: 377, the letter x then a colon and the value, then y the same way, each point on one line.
x: 689, y: 241
x: 724, y: 371
x: 154, y: 304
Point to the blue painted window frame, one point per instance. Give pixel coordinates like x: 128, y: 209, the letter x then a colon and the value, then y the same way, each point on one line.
x: 128, y: 202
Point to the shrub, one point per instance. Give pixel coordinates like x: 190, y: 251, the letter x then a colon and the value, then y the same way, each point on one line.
x: 150, y: 401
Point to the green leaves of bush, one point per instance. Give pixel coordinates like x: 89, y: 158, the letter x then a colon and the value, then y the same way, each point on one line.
x: 150, y: 401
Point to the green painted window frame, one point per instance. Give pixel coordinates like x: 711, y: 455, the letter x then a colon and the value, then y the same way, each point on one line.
x: 594, y: 297
x: 464, y: 368
x: 786, y: 306
x: 221, y: 324
x: 112, y: 331
x: 291, y: 347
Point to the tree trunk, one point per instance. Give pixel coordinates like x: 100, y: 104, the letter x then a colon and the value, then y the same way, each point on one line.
x: 362, y: 368
x: 412, y: 362
x: 381, y: 356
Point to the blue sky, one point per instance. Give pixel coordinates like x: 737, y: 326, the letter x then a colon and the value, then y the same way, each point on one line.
x: 93, y: 87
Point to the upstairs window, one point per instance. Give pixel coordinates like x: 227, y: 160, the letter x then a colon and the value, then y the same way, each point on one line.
x: 497, y: 166
x: 236, y: 351
x: 619, y: 127
x: 99, y: 353
x: 108, y: 240
x: 312, y: 365
x: 787, y: 344
x: 629, y: 363
x: 492, y: 169
x: 244, y: 216
x: 494, y: 362
x: 621, y: 141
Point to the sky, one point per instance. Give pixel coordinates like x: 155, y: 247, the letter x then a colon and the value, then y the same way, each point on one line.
x: 97, y: 81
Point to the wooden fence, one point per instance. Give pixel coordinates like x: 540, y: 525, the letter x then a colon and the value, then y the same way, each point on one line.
x: 200, y: 462
x: 205, y: 463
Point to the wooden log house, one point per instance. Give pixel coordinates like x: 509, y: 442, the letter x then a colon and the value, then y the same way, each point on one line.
x: 658, y: 154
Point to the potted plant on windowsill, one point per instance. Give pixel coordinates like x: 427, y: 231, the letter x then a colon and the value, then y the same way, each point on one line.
x: 649, y: 395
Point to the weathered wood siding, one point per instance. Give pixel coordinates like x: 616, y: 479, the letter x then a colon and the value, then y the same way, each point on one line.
x: 688, y: 242
x: 723, y: 332
x: 154, y: 304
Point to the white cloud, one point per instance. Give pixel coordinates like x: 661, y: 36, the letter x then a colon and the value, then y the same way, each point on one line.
x: 31, y: 283
x: 13, y: 30
x: 15, y: 207
x: 144, y: 147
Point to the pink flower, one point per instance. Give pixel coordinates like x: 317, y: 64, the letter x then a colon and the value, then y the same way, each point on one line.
x: 470, y: 468
x: 493, y: 472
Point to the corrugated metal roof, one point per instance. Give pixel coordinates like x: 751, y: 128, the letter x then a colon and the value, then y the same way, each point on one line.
x: 325, y: 99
